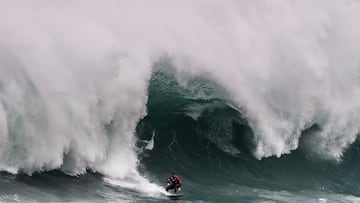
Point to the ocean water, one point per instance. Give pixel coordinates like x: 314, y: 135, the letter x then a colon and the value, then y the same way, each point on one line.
x: 248, y: 101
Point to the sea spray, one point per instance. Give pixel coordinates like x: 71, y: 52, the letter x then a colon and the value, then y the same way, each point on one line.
x: 74, y: 75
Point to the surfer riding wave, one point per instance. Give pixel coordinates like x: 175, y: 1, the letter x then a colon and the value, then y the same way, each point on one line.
x: 173, y: 182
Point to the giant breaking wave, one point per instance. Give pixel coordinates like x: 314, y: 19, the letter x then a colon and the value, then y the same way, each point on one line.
x: 74, y: 77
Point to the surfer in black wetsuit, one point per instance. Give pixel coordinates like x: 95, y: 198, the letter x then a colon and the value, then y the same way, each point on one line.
x: 173, y: 182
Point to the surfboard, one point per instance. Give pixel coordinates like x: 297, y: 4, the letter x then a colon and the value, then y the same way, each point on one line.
x: 175, y: 196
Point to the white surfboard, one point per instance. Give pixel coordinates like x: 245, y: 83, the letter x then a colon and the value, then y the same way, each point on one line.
x: 174, y: 196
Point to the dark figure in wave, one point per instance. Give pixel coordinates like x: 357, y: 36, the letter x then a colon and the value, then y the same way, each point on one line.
x: 173, y: 183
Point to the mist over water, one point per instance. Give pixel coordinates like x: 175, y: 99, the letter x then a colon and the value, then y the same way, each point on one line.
x: 74, y: 76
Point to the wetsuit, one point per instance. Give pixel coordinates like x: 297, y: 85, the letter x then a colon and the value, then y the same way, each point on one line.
x: 174, y: 183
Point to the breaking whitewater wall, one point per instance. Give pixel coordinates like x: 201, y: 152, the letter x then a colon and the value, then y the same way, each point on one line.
x: 74, y: 75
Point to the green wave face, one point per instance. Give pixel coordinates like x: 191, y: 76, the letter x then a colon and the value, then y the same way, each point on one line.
x: 194, y: 130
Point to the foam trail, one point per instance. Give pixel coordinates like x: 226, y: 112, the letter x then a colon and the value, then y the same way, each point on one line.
x: 138, y: 183
x: 74, y: 74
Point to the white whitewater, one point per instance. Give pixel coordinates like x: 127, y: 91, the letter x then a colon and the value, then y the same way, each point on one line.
x: 74, y: 75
